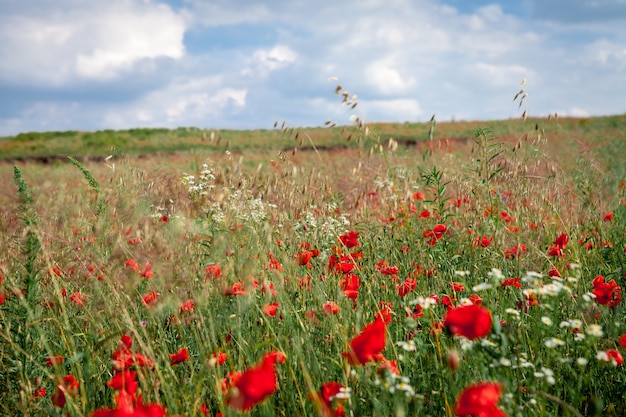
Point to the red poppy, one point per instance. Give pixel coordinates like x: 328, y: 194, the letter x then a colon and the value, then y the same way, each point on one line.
x: 255, y: 384
x: 368, y: 344
x: 213, y: 271
x: 506, y: 217
x: 515, y: 251
x: 480, y: 400
x: 418, y: 196
x: 304, y: 258
x: 40, y: 392
x: 181, y: 356
x: 476, y: 299
x: 472, y: 321
x: 237, y: 288
x: 343, y: 265
x: 457, y: 286
x: 554, y: 273
x: 132, y: 264
x: 622, y: 341
x: 147, y: 272
x: 387, y: 365
x: 437, y: 233
x: 349, y: 240
x: 425, y: 214
x: 124, y: 380
x: 68, y: 385
x: 78, y: 298
x: 273, y: 263
x: 124, y: 358
x: 271, y: 309
x: 385, y: 269
x: 150, y: 298
x: 512, y: 282
x: 482, y: 241
x: 187, y: 306
x: 608, y: 217
x: 53, y: 360
x: 615, y: 357
x: 128, y: 406
x: 326, y: 401
x: 607, y: 293
x: 406, y: 287
x: 330, y: 307
x: 350, y: 286
x: 217, y: 358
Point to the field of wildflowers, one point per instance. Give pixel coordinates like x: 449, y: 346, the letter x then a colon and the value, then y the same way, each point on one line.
x: 455, y: 278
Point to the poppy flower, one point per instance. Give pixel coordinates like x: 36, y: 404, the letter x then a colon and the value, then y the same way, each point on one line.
x: 304, y: 258
x: 437, y: 233
x: 53, y: 360
x: 124, y: 381
x: 327, y: 400
x: 615, y: 357
x: 512, y: 282
x: 608, y: 217
x: 237, y: 288
x: 406, y: 287
x: 128, y: 406
x: 330, y: 307
x: 385, y: 269
x: 255, y: 384
x: 132, y: 264
x: 181, y: 356
x: 150, y: 298
x: 68, y: 385
x: 147, y: 272
x: 271, y: 309
x: 472, y: 321
x: 217, y: 358
x: 418, y: 196
x: 386, y: 312
x: 273, y: 263
x: 607, y: 293
x: 480, y: 400
x: 213, y: 271
x: 187, y: 306
x: 40, y: 392
x: 350, y: 286
x: 457, y: 286
x: 349, y: 240
x: 368, y: 344
x: 515, y: 251
x: 475, y: 299
x: 482, y: 241
x: 78, y: 298
x: 342, y: 265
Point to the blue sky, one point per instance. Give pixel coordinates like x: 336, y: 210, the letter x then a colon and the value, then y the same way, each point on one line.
x: 116, y: 64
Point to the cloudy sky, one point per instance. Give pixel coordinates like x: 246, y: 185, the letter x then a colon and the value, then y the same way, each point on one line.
x: 114, y: 64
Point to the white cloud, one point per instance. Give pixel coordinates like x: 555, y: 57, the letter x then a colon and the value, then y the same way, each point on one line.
x: 506, y: 76
x: 182, y: 103
x: 92, y: 40
x: 387, y: 79
x: 392, y: 110
x: 246, y: 63
x: 267, y: 60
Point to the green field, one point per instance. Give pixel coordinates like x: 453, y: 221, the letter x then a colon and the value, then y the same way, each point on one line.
x: 430, y: 269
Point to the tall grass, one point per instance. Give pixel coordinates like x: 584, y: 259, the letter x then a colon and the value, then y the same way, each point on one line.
x: 244, y: 255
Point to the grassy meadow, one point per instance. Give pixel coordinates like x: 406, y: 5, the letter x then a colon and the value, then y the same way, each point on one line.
x: 427, y: 269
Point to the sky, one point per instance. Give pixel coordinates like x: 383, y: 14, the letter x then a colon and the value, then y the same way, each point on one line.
x: 244, y: 64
